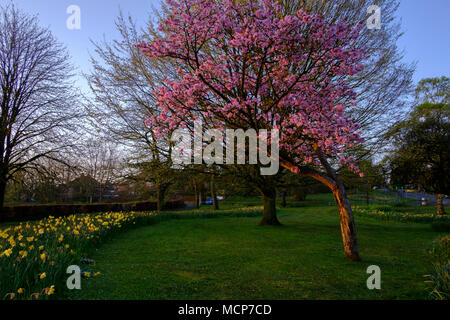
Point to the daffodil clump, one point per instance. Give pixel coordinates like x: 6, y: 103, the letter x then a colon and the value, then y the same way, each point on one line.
x: 34, y: 256
x: 399, y: 216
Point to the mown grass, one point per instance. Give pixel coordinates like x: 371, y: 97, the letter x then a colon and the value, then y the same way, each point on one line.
x: 378, y: 197
x: 34, y: 255
x: 234, y: 258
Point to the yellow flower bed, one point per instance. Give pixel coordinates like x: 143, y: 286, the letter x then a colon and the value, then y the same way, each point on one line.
x: 34, y: 256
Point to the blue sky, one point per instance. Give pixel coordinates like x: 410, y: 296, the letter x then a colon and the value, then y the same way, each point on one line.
x: 424, y: 22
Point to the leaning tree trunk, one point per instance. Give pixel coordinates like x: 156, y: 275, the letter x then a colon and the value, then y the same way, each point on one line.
x: 332, y: 181
x: 269, y: 217
x: 440, y: 205
x: 213, y: 193
x: 348, y: 230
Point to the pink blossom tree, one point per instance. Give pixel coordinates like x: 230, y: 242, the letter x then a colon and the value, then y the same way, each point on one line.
x: 250, y: 66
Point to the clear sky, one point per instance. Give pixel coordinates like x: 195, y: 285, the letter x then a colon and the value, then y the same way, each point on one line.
x: 426, y: 38
x: 426, y: 25
x: 97, y: 21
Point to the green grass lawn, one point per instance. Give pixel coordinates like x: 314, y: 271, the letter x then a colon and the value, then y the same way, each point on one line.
x: 234, y: 258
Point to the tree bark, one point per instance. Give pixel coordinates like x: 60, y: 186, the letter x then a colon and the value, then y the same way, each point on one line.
x: 348, y: 231
x: 367, y: 194
x: 440, y: 205
x: 213, y: 193
x: 196, y: 194
x: 2, y: 197
x: 160, y: 196
x: 269, y: 217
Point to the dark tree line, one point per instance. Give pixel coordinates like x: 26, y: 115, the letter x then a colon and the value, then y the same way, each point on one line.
x: 420, y: 144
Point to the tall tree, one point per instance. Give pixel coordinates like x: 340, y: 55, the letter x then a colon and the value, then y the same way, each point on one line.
x: 123, y: 83
x: 37, y: 104
x: 421, y: 153
x: 248, y: 66
x: 212, y: 187
x: 160, y: 174
x: 100, y: 161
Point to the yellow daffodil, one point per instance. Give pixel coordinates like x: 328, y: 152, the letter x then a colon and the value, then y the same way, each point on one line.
x: 7, y: 252
x: 49, y: 291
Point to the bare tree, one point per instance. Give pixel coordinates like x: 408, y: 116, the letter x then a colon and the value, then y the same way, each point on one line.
x: 100, y: 162
x: 123, y: 81
x: 36, y: 99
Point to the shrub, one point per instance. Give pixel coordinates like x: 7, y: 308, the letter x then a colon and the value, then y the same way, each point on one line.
x: 36, y: 212
x: 439, y: 280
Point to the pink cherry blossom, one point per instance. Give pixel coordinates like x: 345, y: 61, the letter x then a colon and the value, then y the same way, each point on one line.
x: 242, y: 66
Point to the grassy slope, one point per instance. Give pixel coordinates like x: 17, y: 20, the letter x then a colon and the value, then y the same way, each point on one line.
x: 233, y: 258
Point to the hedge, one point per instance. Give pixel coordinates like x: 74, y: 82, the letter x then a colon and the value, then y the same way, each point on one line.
x: 36, y: 212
